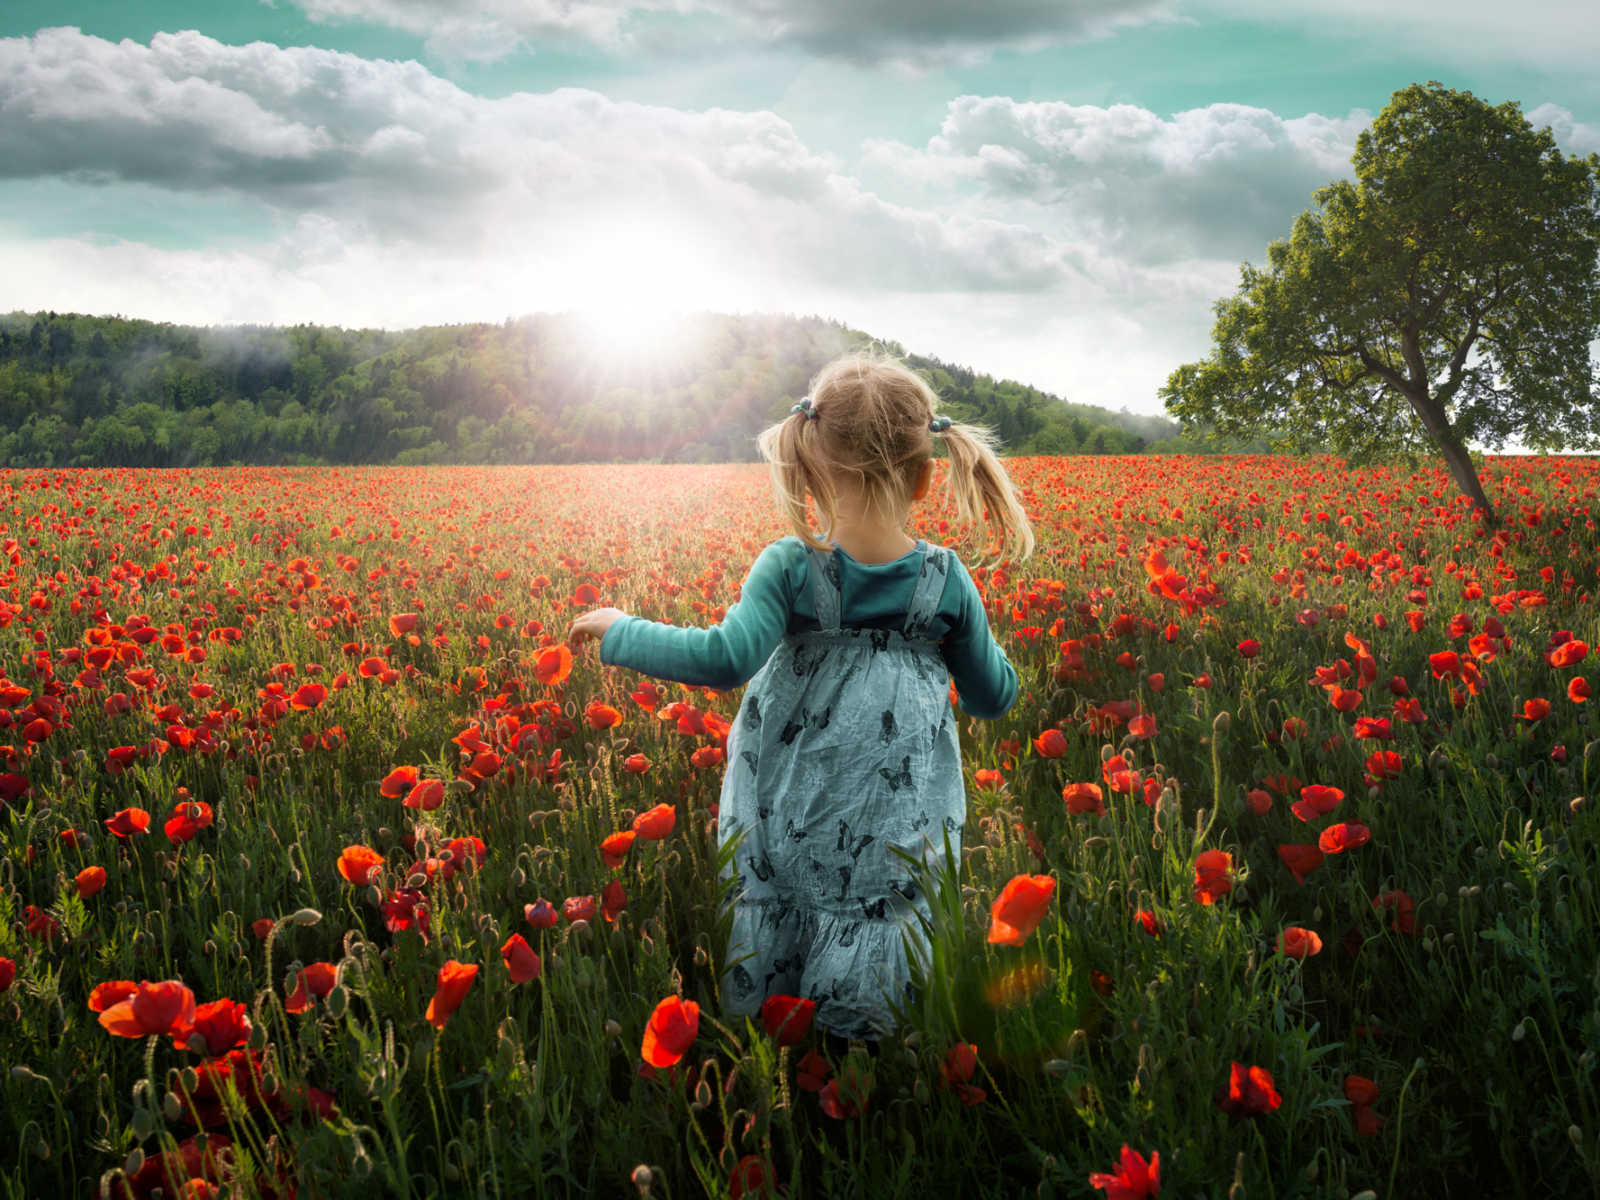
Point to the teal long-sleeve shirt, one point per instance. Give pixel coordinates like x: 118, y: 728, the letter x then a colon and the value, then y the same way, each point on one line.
x: 777, y: 599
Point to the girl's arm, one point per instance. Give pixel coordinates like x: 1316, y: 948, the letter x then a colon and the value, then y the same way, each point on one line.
x: 984, y: 677
x: 723, y: 656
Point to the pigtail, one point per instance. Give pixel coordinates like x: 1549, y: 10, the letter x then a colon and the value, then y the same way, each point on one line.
x: 978, y: 485
x: 797, y: 468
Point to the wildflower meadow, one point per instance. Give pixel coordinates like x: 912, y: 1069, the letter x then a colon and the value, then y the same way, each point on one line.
x: 328, y: 869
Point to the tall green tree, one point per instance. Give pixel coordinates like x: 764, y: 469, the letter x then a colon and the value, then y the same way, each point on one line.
x: 1448, y: 295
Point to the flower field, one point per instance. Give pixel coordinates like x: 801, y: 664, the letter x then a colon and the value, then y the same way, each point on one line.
x: 327, y: 869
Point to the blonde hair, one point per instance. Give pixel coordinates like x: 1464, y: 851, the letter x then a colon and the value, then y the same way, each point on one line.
x: 868, y: 423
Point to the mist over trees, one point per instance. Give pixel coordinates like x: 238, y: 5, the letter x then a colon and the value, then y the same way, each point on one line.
x: 108, y: 391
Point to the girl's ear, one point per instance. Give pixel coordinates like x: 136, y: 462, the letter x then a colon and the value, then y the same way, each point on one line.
x: 924, y: 481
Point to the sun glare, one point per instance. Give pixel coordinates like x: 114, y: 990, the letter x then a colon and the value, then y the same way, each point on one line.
x: 635, y: 283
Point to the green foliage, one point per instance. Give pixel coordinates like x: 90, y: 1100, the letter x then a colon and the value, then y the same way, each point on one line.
x: 102, y: 391
x: 1448, y: 295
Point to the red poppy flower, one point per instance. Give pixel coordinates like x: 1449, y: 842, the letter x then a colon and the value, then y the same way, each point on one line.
x: 406, y: 908
x: 1358, y: 1089
x: 312, y: 983
x: 541, y: 914
x: 1344, y: 699
x: 1384, y: 764
x: 1299, y: 942
x: 1019, y: 908
x: 1142, y: 726
x: 152, y: 1008
x: 752, y: 1176
x: 636, y: 764
x: 578, y: 908
x: 427, y: 795
x: 845, y: 1096
x: 1445, y: 662
x: 522, y: 963
x: 812, y: 1071
x: 601, y: 716
x: 89, y: 881
x: 1362, y: 1094
x: 708, y: 756
x: 1249, y: 648
x: 1133, y: 1179
x: 1374, y: 728
x: 187, y: 820
x: 1249, y: 1092
x: 1084, y: 798
x: 1404, y: 908
x: 672, y: 1029
x: 553, y: 665
x: 1052, y: 743
x: 454, y: 981
x: 1536, y: 709
x: 955, y: 1073
x: 1259, y: 800
x: 1568, y: 653
x: 614, y: 849
x: 113, y: 991
x: 612, y: 900
x: 787, y: 1019
x: 308, y: 696
x: 1213, y: 877
x: 1578, y: 689
x: 221, y: 1025
x: 1147, y: 921
x: 128, y: 822
x: 398, y: 782
x: 1347, y: 835
x: 1316, y: 800
x: 8, y: 972
x: 656, y: 823
x: 403, y: 623
x: 359, y: 864
x: 1301, y: 860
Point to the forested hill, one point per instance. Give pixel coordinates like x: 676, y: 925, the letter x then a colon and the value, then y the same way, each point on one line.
x: 106, y: 391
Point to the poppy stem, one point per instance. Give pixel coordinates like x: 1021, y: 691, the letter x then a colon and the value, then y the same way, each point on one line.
x: 1399, y: 1119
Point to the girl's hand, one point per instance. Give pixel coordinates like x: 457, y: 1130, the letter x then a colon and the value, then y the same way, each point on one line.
x: 593, y: 624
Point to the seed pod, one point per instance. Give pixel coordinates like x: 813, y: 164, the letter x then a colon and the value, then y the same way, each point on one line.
x: 144, y: 1124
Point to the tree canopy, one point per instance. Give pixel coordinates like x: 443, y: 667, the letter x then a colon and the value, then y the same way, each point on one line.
x: 105, y: 391
x: 1449, y: 294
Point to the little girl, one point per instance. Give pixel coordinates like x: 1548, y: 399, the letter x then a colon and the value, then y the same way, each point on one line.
x: 844, y: 750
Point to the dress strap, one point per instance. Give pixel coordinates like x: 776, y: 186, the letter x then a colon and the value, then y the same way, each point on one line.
x: 825, y: 588
x: 929, y: 591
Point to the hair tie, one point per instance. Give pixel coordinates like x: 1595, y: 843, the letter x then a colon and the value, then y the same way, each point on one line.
x: 805, y: 407
x: 939, y: 424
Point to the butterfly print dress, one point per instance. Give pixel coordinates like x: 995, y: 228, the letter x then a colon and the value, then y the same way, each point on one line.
x: 843, y: 756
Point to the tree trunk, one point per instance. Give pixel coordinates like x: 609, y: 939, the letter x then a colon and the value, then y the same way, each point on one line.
x: 1455, y: 454
x: 1461, y: 470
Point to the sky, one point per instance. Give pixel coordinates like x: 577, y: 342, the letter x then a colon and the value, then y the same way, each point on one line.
x: 1053, y: 191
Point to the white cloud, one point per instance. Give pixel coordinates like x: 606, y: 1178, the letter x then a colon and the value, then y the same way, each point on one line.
x: 1572, y: 135
x: 397, y: 155
x: 1214, y: 182
x: 917, y: 33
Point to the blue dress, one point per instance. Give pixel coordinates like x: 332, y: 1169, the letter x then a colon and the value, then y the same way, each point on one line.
x: 842, y: 758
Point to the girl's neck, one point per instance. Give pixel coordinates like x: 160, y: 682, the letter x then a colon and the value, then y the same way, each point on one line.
x: 871, y: 541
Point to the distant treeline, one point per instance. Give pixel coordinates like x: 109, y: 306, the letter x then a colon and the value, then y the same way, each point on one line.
x: 106, y: 391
